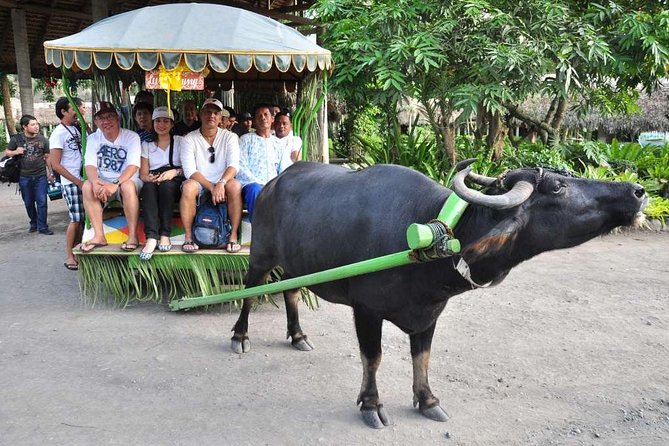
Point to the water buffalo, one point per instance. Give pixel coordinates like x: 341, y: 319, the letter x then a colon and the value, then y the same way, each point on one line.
x: 314, y: 217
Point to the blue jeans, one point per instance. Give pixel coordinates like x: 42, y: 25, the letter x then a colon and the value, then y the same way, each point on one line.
x: 34, y: 193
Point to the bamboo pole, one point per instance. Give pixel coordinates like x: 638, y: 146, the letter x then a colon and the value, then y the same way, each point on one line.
x: 421, y: 237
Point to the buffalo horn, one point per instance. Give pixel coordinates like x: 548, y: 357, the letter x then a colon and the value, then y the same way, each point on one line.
x: 474, y: 177
x: 520, y: 192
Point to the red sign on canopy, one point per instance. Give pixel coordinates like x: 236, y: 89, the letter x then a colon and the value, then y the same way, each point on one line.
x: 189, y: 80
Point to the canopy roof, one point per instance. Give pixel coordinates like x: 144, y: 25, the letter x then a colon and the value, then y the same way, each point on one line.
x: 232, y: 43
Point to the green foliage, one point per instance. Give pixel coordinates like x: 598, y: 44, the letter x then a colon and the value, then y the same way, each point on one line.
x: 658, y: 208
x: 416, y: 149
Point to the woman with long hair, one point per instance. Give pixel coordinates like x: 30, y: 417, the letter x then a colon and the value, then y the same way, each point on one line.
x: 161, y: 172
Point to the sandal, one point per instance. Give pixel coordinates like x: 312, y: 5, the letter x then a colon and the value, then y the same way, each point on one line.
x: 233, y: 246
x: 189, y: 246
x: 90, y: 246
x: 71, y: 266
x: 128, y: 247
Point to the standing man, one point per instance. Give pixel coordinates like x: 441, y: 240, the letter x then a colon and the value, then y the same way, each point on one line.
x: 35, y: 172
x: 261, y: 157
x: 210, y: 161
x: 112, y: 165
x: 65, y: 158
x: 188, y: 121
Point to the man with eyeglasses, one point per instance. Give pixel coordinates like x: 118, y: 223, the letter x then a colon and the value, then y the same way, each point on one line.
x: 210, y: 161
x: 65, y: 158
x: 112, y: 165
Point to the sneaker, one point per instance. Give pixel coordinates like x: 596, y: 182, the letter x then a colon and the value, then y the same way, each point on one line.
x: 46, y: 231
x: 32, y: 229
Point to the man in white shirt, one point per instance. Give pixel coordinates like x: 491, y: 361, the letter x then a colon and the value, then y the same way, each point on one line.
x: 112, y: 164
x: 261, y: 157
x: 283, y: 129
x: 210, y: 161
x: 65, y: 158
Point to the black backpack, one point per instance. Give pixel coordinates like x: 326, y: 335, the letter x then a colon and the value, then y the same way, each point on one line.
x: 10, y: 169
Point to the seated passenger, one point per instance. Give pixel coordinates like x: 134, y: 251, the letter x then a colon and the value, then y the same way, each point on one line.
x: 283, y: 129
x: 261, y: 157
x: 112, y: 161
x: 141, y: 113
x: 189, y: 121
x: 210, y: 160
x: 232, y: 118
x: 144, y: 96
x: 245, y: 124
x: 161, y: 173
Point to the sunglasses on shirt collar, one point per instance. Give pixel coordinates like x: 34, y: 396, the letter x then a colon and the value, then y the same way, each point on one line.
x: 212, y: 155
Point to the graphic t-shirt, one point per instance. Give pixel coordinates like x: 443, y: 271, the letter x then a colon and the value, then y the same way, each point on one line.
x: 112, y: 157
x: 68, y: 139
x: 32, y: 161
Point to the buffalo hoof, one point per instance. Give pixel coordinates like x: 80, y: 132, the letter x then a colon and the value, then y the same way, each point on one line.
x: 240, y: 346
x: 303, y: 344
x: 376, y: 419
x: 435, y: 413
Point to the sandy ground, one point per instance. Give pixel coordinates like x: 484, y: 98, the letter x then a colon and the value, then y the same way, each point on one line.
x: 572, y: 349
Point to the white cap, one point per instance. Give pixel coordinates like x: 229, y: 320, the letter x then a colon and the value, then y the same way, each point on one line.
x: 216, y: 103
x: 162, y: 112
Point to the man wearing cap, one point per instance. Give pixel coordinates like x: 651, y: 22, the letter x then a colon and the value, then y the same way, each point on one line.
x: 261, y: 157
x: 112, y: 163
x: 210, y: 161
x: 244, y: 125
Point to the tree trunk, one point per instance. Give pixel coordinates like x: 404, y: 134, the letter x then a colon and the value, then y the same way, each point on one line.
x: 497, y: 132
x: 482, y: 117
x: 7, y: 104
x: 448, y: 133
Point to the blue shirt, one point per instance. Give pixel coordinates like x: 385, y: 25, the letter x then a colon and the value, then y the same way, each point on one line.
x: 260, y: 159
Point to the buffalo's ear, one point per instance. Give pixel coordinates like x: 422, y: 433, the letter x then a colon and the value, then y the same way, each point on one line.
x: 498, y: 241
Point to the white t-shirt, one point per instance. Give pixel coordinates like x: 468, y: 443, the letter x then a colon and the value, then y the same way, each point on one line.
x: 159, y: 157
x: 291, y: 143
x: 68, y: 139
x: 112, y: 158
x: 195, y: 154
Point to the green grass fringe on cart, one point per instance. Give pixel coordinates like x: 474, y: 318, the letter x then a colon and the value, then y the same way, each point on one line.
x: 122, y: 280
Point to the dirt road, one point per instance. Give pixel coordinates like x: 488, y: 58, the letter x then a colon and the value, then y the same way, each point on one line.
x: 572, y: 349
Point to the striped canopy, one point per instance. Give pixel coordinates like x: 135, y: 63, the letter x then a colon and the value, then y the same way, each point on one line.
x: 227, y: 41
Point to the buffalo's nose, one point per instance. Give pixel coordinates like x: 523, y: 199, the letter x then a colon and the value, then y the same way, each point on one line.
x: 639, y: 191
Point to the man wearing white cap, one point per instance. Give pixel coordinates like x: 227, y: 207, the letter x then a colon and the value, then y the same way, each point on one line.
x: 112, y: 164
x: 210, y: 161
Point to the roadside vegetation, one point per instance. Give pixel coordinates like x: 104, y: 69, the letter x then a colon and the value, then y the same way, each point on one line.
x: 469, y: 69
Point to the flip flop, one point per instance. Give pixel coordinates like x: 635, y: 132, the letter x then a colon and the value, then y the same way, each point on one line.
x: 71, y: 266
x: 92, y: 245
x: 129, y: 247
x: 189, y: 246
x: 233, y: 246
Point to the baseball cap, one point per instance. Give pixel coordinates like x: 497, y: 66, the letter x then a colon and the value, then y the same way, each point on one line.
x: 213, y: 101
x: 246, y: 116
x: 105, y: 107
x: 162, y: 112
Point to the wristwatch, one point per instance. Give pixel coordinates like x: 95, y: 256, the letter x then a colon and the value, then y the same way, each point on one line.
x: 116, y: 182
